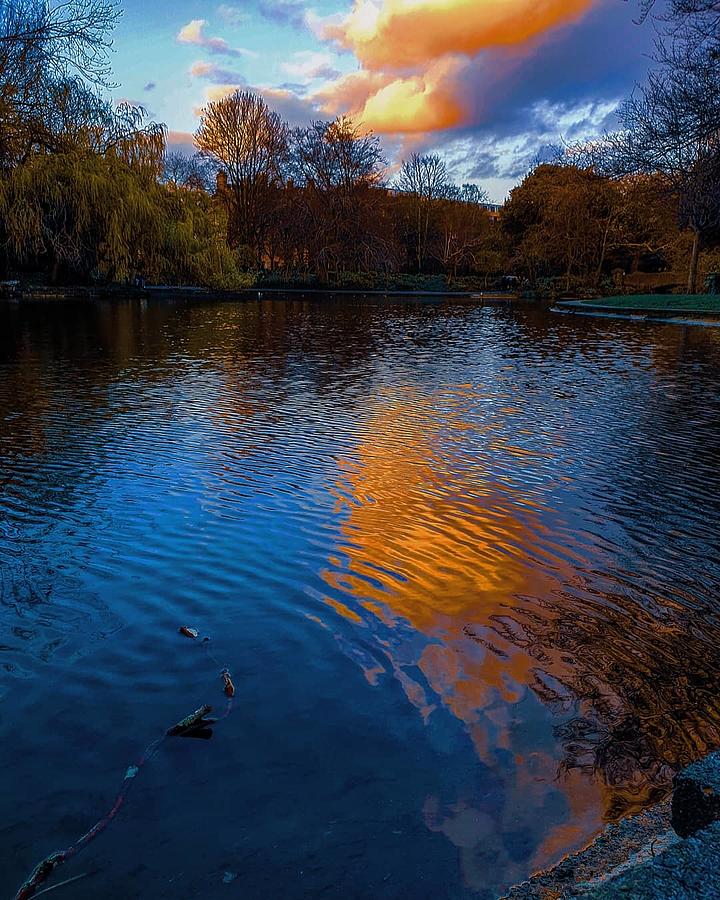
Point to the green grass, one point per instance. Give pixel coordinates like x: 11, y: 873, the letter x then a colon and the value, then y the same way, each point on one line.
x: 685, y: 302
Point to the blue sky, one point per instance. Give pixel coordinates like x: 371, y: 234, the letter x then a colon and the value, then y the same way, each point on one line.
x: 487, y: 83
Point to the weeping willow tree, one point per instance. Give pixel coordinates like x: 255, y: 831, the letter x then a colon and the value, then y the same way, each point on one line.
x: 194, y: 246
x: 84, y: 201
x: 80, y: 191
x: 79, y: 214
x: 84, y: 215
x: 87, y: 202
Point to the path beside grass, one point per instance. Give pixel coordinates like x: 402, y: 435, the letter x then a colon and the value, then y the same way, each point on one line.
x: 670, y: 309
x: 653, y: 303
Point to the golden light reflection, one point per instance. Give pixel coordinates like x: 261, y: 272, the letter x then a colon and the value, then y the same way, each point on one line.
x: 434, y: 543
x: 482, y: 603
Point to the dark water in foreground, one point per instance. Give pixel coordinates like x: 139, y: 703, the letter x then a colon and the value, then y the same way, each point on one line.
x: 462, y: 563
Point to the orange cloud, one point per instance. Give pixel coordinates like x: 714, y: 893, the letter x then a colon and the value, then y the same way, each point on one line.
x: 220, y: 91
x: 426, y: 102
x: 397, y: 34
x: 412, y: 54
x: 350, y: 93
x: 389, y: 105
x: 215, y: 93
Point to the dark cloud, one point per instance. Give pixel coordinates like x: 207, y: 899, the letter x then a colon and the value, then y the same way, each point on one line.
x: 327, y: 72
x: 295, y: 110
x: 562, y: 87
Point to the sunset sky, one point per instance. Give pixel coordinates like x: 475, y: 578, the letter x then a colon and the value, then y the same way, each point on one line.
x: 487, y: 83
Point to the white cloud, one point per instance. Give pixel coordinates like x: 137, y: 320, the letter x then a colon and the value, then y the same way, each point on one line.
x: 309, y: 65
x: 232, y: 15
x: 194, y: 33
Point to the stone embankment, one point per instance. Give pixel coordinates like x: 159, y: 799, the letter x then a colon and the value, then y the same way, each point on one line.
x: 669, y: 852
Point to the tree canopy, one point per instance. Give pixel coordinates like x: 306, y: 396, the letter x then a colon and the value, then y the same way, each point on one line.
x: 88, y: 191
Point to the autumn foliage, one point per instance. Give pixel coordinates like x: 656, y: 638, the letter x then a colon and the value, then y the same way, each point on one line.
x: 88, y: 192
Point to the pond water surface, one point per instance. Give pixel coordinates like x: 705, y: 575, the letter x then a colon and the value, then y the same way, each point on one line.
x: 461, y: 562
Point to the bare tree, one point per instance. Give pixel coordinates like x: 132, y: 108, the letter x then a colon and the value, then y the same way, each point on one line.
x: 671, y: 126
x: 63, y: 36
x: 425, y: 176
x: 338, y: 168
x: 337, y: 155
x: 463, y: 225
x: 250, y: 142
x: 194, y: 172
x: 702, y: 17
x: 425, y: 180
x: 47, y: 50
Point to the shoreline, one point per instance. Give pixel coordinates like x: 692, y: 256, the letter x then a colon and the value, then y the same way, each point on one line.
x: 702, y: 309
x: 668, y: 850
x: 45, y: 293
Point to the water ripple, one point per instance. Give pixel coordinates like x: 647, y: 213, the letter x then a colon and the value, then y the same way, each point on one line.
x: 461, y: 561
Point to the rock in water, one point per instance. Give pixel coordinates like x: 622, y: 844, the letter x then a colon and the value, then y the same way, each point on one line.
x: 696, y: 796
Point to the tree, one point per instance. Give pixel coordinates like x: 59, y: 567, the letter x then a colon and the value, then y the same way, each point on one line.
x: 250, y: 142
x: 671, y: 126
x: 425, y: 180
x: 463, y: 227
x: 103, y: 216
x: 339, y: 169
x: 46, y: 50
x: 646, y: 234
x: 194, y: 172
x: 561, y: 221
x: 700, y: 17
x: 60, y: 36
x: 337, y: 156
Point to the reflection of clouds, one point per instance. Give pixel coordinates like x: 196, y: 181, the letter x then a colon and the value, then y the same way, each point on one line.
x: 437, y: 555
x: 425, y: 532
x: 431, y: 542
x: 558, y: 659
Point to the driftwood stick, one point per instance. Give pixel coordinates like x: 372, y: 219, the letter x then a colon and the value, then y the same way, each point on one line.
x: 194, y: 720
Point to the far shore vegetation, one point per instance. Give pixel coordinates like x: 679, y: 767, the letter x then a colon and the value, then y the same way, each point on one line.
x: 89, y: 194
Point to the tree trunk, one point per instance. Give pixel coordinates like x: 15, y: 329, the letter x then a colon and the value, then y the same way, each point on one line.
x: 603, y: 252
x: 692, y: 274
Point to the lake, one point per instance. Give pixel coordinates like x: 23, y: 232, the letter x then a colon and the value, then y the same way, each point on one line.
x: 461, y: 563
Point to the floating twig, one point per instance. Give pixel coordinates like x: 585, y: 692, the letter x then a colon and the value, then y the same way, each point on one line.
x: 60, y: 884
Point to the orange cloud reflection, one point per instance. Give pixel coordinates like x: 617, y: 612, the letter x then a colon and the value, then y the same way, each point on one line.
x: 434, y: 544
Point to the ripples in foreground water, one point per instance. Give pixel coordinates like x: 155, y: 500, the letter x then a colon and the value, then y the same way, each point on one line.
x: 462, y: 563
